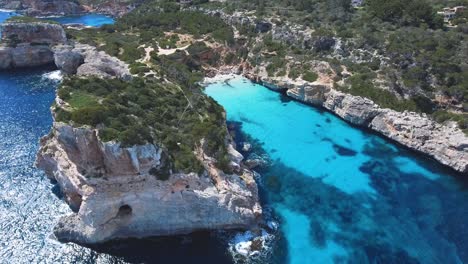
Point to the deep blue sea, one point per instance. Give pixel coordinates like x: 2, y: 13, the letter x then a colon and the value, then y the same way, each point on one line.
x: 339, y: 194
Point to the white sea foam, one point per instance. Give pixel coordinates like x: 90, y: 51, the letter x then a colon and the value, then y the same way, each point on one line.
x: 53, y: 75
x: 243, y: 249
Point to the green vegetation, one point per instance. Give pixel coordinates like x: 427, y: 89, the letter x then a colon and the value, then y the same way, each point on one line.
x: 400, y: 53
x: 309, y: 76
x: 146, y: 111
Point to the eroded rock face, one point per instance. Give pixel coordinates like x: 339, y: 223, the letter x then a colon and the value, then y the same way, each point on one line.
x: 117, y: 194
x: 86, y: 60
x: 68, y: 60
x: 25, y: 55
x: 29, y: 44
x: 447, y: 144
x: 34, y: 33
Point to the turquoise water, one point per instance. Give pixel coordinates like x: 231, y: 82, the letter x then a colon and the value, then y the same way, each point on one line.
x: 343, y: 195
x: 94, y: 20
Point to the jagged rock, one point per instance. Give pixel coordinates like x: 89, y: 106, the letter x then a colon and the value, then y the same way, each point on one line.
x: 68, y: 60
x: 33, y: 33
x: 99, y: 63
x: 29, y: 44
x: 117, y: 194
x: 314, y: 94
x: 354, y: 109
x: 5, y: 58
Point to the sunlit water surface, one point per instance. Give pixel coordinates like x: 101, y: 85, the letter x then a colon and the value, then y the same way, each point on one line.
x: 343, y: 195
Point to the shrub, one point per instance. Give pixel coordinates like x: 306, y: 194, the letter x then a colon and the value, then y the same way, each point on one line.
x: 88, y: 115
x: 309, y: 76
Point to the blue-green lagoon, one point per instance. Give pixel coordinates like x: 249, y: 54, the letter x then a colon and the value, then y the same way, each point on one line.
x: 341, y: 194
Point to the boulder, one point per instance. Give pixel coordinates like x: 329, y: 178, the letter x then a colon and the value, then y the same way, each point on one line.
x: 67, y: 60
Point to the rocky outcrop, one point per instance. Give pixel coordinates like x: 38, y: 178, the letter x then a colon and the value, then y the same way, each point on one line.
x: 446, y: 144
x: 68, y: 60
x: 86, y: 60
x: 25, y: 55
x: 118, y: 191
x: 34, y: 44
x: 34, y: 33
x: 29, y: 44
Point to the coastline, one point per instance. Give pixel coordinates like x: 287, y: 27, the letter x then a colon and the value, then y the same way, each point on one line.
x: 224, y: 76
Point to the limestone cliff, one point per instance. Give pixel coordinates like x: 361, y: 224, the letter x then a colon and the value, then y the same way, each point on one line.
x: 117, y: 195
x: 29, y: 44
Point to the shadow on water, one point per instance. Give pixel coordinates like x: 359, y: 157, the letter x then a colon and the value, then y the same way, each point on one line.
x: 201, y: 247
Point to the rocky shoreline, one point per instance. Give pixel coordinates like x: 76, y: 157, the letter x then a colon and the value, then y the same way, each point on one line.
x: 447, y: 144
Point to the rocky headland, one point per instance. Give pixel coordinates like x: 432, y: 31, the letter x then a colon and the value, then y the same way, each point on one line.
x: 117, y: 195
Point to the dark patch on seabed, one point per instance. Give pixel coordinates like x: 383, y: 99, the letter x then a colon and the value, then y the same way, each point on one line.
x: 344, y: 151
x: 411, y: 219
